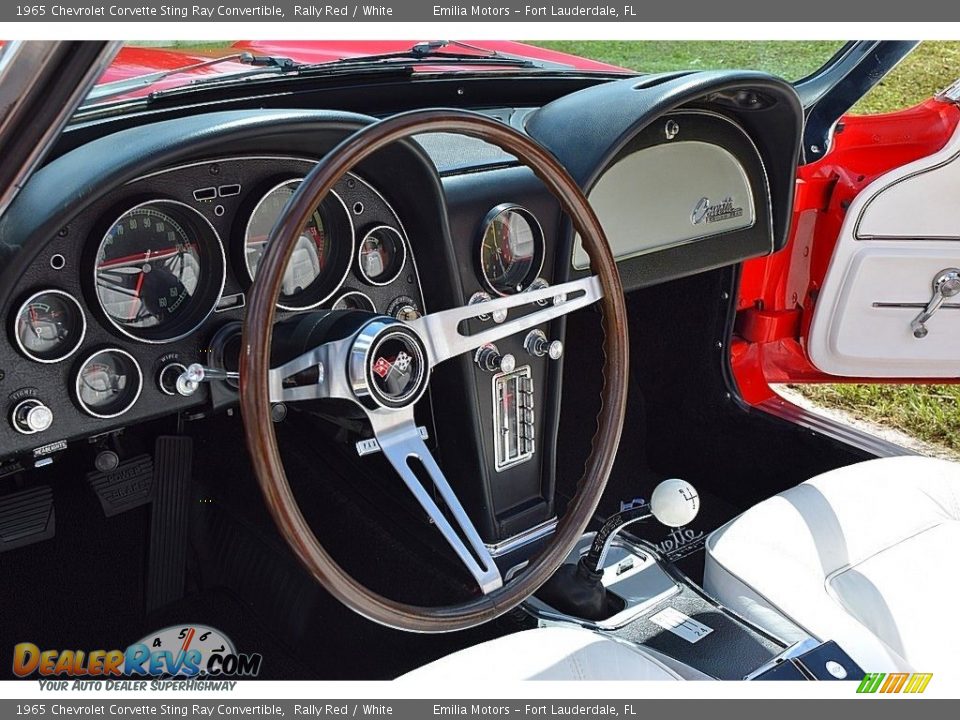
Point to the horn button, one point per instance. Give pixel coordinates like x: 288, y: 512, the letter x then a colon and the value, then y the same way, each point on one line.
x: 388, y: 365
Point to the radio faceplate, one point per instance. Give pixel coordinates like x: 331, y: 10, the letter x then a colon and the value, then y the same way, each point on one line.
x: 513, y: 418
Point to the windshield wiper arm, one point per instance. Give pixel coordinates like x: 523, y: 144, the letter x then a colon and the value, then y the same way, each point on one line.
x: 431, y: 52
x: 127, y: 85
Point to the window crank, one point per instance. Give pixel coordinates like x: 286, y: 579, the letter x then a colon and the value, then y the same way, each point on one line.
x: 189, y: 382
x: 945, y: 285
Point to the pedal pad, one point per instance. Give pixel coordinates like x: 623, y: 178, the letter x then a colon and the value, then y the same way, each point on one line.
x: 127, y: 486
x: 26, y: 517
x: 168, y: 522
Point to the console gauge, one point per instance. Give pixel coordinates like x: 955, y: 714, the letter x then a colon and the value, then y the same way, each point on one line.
x: 108, y: 383
x: 159, y: 271
x: 511, y: 249
x: 49, y: 326
x: 354, y: 300
x: 382, y: 254
x: 321, y: 258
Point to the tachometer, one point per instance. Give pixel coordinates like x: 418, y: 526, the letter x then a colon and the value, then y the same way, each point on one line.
x: 511, y: 249
x: 159, y: 271
x: 321, y: 257
x: 49, y: 326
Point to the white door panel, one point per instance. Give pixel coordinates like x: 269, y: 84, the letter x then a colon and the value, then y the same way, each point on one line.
x: 900, y: 232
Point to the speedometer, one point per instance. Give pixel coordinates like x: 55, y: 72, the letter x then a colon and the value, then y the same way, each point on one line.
x: 321, y: 258
x: 159, y: 271
x: 511, y: 249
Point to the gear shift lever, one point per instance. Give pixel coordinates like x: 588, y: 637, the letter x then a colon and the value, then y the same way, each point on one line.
x: 578, y: 589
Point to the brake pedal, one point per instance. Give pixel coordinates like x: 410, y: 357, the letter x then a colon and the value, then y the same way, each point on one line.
x: 125, y: 487
x: 26, y: 517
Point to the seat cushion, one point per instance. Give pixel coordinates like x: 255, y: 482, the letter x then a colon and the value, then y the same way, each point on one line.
x: 553, y: 653
x: 864, y: 555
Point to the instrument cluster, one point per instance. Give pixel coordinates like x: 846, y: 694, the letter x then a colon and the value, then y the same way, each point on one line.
x: 155, y: 278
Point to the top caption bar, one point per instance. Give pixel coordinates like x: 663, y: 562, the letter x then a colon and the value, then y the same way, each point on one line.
x: 503, y: 11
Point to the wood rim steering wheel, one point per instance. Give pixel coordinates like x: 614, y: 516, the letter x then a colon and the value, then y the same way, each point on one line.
x: 345, y: 369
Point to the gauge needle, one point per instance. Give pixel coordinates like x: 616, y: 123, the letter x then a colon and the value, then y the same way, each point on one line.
x: 135, y: 305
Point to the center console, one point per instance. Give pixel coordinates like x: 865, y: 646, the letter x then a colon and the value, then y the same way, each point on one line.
x: 635, y: 595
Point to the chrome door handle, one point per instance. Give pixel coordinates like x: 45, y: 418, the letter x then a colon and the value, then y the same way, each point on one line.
x: 945, y: 285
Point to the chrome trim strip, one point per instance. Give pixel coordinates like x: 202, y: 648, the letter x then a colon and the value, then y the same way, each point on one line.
x: 530, y: 535
x: 847, y: 434
x: 801, y: 647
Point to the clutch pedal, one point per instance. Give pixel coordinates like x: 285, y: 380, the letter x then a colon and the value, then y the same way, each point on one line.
x: 26, y: 517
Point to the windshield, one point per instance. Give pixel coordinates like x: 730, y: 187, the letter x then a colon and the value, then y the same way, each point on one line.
x: 142, y: 68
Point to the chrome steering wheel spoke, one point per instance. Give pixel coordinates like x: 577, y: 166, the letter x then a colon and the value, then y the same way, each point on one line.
x: 400, y: 441
x: 444, y: 339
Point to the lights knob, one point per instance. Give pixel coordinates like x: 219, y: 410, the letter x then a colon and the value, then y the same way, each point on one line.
x: 537, y: 344
x: 489, y: 358
x: 675, y: 502
x: 31, y: 416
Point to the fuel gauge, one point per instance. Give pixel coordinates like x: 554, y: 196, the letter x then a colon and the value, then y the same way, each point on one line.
x: 50, y: 326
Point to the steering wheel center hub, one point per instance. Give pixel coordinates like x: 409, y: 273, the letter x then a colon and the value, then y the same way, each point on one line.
x: 388, y: 365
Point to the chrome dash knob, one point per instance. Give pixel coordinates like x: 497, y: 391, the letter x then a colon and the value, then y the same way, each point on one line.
x: 537, y: 344
x: 489, y: 358
x: 31, y: 416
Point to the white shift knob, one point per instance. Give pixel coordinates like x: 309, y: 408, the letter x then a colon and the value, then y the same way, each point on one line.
x: 675, y: 502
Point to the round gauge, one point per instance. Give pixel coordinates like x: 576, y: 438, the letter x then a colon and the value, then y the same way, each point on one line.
x: 354, y: 300
x: 108, y: 383
x: 321, y: 258
x: 159, y: 271
x: 382, y: 254
x: 49, y: 326
x: 511, y: 249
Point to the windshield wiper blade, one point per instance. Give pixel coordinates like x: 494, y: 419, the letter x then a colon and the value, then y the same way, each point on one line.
x: 432, y: 53
x: 429, y: 53
x: 127, y: 85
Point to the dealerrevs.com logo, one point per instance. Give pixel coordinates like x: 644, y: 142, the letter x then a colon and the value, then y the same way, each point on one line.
x: 185, y: 651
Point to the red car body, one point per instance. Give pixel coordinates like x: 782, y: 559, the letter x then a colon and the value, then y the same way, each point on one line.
x: 133, y: 61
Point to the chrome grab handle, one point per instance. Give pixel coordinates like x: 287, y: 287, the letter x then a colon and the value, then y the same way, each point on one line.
x: 945, y: 285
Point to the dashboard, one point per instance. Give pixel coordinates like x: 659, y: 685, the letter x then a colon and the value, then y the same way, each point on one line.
x: 129, y: 257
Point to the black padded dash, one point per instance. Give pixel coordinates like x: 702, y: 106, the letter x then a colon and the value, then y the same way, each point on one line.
x: 173, y: 458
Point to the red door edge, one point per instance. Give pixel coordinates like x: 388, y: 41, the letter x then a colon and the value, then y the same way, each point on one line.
x: 778, y: 292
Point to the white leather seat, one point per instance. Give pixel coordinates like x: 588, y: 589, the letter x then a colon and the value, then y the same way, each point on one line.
x: 554, y: 653
x: 865, y: 555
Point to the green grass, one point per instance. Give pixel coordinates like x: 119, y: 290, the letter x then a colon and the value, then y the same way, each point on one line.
x: 928, y: 69
x: 927, y: 412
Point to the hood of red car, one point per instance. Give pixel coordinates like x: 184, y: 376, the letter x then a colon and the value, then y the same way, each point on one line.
x: 133, y: 61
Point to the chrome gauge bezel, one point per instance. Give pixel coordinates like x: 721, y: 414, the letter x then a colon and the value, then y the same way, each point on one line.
x: 296, y: 307
x: 79, y: 373
x: 209, y: 303
x: 402, y: 243
x: 355, y: 293
x: 539, y: 247
x: 16, y: 321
